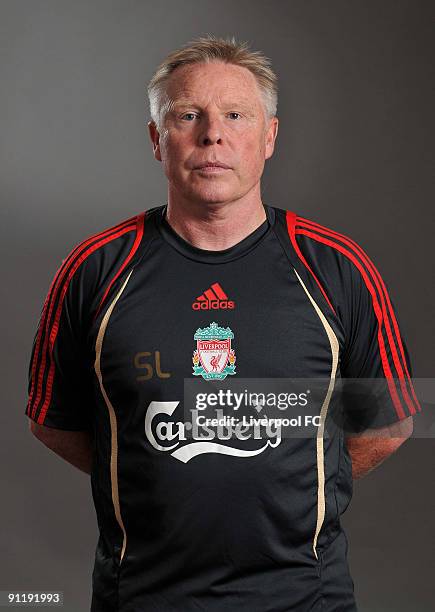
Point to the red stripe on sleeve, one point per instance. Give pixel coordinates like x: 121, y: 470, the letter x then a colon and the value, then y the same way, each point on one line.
x: 380, y: 285
x: 137, y: 240
x: 384, y: 358
x: 51, y: 333
x: 53, y: 292
x: 291, y: 218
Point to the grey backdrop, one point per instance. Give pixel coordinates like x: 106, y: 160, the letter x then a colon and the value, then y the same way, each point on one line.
x: 355, y: 152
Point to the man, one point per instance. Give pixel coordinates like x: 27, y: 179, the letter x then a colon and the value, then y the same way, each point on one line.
x: 213, y: 287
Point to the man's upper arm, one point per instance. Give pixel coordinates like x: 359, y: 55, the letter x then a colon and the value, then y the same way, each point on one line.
x: 376, y: 367
x: 60, y: 366
x: 61, y: 377
x: 374, y: 362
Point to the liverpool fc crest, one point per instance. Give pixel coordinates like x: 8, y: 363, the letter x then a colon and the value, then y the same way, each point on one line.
x: 214, y: 359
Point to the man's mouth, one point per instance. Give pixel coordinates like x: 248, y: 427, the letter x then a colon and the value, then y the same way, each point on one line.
x: 212, y: 167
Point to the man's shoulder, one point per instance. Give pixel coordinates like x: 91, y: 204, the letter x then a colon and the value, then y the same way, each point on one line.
x: 333, y: 259
x: 92, y: 268
x: 300, y: 225
x: 111, y: 243
x: 324, y: 245
x: 100, y: 243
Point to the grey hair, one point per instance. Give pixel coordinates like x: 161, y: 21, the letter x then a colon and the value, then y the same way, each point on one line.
x: 207, y: 49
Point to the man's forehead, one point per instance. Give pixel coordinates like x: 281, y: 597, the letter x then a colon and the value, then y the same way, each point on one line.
x: 225, y: 82
x: 214, y: 69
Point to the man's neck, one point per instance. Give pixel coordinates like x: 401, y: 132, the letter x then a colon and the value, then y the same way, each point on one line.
x: 215, y: 226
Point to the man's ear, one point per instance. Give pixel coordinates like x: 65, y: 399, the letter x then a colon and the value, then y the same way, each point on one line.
x: 155, y: 139
x: 271, y: 134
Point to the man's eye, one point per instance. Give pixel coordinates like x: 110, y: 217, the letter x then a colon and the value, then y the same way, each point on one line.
x: 189, y: 116
x: 237, y: 115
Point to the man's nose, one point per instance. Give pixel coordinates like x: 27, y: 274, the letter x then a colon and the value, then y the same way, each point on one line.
x: 211, y: 131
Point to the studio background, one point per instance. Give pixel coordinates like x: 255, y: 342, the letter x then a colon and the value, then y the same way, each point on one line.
x: 355, y: 152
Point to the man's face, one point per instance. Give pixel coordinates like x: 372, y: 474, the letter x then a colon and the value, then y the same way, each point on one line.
x: 216, y: 115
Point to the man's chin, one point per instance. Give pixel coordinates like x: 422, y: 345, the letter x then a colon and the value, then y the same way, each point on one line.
x: 212, y: 196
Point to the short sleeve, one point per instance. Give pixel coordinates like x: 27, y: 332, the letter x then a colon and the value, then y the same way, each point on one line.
x: 375, y: 365
x: 60, y: 370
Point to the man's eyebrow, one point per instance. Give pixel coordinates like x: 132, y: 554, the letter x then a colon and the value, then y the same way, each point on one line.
x: 237, y: 104
x: 181, y: 102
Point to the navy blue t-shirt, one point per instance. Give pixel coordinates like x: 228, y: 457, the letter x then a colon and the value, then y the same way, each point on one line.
x: 210, y: 522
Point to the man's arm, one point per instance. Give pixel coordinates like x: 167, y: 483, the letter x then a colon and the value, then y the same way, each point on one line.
x: 370, y: 448
x: 73, y: 446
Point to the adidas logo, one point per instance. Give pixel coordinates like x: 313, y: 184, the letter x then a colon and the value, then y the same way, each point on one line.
x: 214, y: 298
